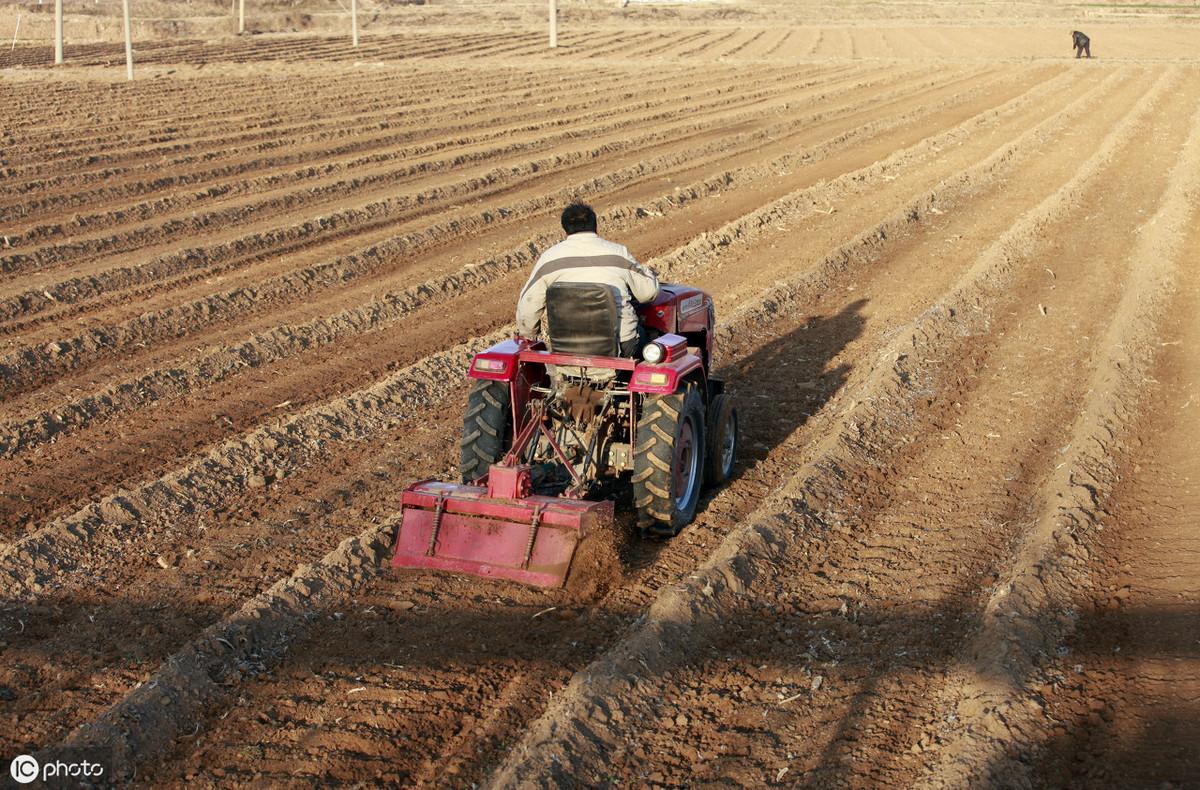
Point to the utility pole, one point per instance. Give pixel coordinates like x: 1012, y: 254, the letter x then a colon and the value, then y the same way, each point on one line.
x: 241, y: 17
x: 354, y: 20
x: 58, y: 33
x: 128, y: 40
x: 553, y: 24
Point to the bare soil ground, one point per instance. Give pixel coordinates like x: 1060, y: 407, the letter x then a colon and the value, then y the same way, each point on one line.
x: 956, y: 279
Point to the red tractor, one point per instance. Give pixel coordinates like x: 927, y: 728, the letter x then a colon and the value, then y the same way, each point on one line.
x: 550, y: 427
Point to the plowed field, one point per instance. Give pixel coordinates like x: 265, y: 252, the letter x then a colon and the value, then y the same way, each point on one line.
x: 957, y: 277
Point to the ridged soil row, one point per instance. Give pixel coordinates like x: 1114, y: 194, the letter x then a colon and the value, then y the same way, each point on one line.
x: 372, y: 118
x: 603, y: 48
x: 285, y: 340
x: 700, y: 116
x: 1123, y: 690
x: 779, y: 43
x: 77, y: 54
x: 95, y: 146
x: 394, y: 46
x: 207, y: 425
x: 255, y: 49
x: 207, y: 312
x: 370, y: 214
x: 578, y: 728
x: 665, y: 41
x: 476, y: 45
x: 453, y: 652
x: 880, y: 604
x: 90, y: 130
x: 192, y: 141
x: 737, y: 39
x: 375, y: 120
x: 752, y: 39
x: 437, y: 130
x: 295, y: 284
x: 710, y: 41
x: 48, y: 293
x: 414, y: 48
x: 166, y: 689
x: 398, y: 47
x: 1033, y: 609
x: 698, y: 250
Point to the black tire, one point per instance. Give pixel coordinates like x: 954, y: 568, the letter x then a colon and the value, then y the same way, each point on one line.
x: 723, y: 439
x: 487, y: 428
x: 668, y: 462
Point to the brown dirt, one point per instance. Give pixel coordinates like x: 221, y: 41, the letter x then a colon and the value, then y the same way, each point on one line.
x: 953, y: 272
x: 596, y: 567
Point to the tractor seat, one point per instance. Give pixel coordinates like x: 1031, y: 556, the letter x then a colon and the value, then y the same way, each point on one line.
x: 583, y: 318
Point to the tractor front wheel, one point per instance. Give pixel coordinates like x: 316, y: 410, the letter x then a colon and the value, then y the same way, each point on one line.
x: 668, y: 463
x: 487, y: 428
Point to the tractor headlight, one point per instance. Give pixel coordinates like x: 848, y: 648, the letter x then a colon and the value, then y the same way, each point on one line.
x: 653, y: 353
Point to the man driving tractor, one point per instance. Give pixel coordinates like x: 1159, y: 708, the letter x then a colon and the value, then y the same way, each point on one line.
x: 609, y: 385
x: 584, y: 257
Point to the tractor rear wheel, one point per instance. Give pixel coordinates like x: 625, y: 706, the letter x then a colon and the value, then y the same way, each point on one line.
x: 668, y: 462
x: 487, y: 428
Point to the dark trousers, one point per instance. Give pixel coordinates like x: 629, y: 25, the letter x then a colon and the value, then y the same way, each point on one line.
x: 1083, y: 48
x: 632, y: 348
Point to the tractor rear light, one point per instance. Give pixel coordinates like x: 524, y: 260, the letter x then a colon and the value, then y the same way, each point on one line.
x: 493, y: 368
x: 653, y: 380
x: 490, y: 365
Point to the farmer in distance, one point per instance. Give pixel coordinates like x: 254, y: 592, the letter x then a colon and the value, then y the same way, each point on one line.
x: 584, y: 257
x: 1081, y: 43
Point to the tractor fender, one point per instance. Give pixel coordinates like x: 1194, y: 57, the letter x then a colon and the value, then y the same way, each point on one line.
x: 498, y: 363
x: 665, y: 378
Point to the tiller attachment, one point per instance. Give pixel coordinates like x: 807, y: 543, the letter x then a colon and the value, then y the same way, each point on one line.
x: 499, y: 530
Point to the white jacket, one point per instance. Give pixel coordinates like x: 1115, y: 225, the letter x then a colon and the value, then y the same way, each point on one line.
x: 586, y: 258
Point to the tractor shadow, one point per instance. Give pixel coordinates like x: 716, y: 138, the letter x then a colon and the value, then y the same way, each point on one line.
x: 788, y: 379
x: 780, y: 381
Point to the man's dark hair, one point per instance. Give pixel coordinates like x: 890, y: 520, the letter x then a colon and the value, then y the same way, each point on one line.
x: 579, y: 218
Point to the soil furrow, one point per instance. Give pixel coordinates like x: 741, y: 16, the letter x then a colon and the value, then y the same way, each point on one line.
x: 1119, y: 704
x: 580, y: 726
x: 156, y: 385
x: 1030, y: 615
x: 699, y: 117
x: 434, y: 131
x: 58, y: 354
x: 721, y: 243
x: 47, y: 293
x: 878, y: 173
x: 373, y: 700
